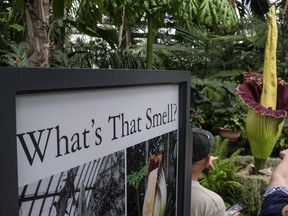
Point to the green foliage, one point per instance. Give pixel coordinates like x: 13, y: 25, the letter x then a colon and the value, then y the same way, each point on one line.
x: 58, y: 8
x: 134, y: 178
x: 11, y: 30
x: 218, y: 15
x: 60, y: 59
x: 16, y: 56
x: 283, y: 139
x: 215, y: 103
x: 94, y: 54
x: 211, y: 53
x: 20, y: 6
x: 197, y: 119
x: 221, y: 180
x: 7, y: 18
x: 232, y: 118
x: 206, y: 53
x: 153, y: 6
x: 282, y: 142
x: 107, y: 33
x: 253, y: 185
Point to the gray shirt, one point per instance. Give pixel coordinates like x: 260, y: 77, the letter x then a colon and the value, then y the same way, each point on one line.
x: 205, y: 202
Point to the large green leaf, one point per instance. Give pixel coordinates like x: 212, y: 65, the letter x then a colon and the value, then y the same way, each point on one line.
x: 17, y: 27
x: 58, y: 8
x: 226, y: 14
x: 20, y: 6
x: 206, y: 14
x: 69, y: 3
x: 217, y: 13
x: 108, y: 34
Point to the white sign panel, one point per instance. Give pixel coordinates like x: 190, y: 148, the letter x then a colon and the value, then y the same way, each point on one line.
x: 57, y: 131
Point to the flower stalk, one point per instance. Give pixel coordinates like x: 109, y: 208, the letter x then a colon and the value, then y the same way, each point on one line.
x: 269, y: 92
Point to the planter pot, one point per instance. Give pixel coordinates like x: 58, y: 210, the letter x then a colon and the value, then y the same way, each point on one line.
x: 232, y: 136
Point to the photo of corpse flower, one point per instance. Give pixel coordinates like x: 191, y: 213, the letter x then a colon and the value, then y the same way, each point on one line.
x: 156, y: 191
x: 151, y: 176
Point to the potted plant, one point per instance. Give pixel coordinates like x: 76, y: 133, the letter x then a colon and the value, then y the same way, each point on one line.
x: 230, y: 121
x: 216, y: 105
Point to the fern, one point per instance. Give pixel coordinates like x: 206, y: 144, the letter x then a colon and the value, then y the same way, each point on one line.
x: 220, y: 149
x: 221, y: 180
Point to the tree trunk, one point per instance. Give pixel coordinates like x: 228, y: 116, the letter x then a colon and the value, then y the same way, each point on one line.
x: 37, y: 33
x: 121, y: 29
x: 149, y: 50
x: 124, y: 28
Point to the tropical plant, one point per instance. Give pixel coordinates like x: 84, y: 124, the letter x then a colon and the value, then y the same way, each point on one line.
x: 16, y: 56
x: 219, y: 16
x: 60, y: 59
x: 186, y: 13
x: 197, y: 118
x: 232, y: 118
x: 205, y: 53
x: 115, y: 21
x: 11, y: 33
x: 221, y: 180
x: 104, y: 19
x: 87, y: 17
x: 134, y: 179
x: 94, y: 54
x: 9, y: 22
x: 266, y: 97
x: 215, y: 103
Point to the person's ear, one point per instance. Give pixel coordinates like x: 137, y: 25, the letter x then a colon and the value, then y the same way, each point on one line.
x: 206, y: 161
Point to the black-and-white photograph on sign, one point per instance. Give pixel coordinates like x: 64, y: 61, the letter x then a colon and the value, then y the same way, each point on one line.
x: 94, y: 188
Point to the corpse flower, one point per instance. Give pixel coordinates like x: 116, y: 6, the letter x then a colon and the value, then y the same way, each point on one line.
x: 263, y: 125
x: 267, y: 99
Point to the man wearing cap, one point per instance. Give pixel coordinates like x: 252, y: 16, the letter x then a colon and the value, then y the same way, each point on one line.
x: 204, y: 202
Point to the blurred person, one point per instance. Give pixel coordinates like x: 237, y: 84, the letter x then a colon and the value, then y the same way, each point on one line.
x: 275, y: 198
x: 204, y: 202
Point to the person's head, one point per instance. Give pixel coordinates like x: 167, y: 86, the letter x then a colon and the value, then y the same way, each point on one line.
x: 203, y: 143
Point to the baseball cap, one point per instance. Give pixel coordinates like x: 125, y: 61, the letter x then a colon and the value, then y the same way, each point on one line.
x: 203, y: 143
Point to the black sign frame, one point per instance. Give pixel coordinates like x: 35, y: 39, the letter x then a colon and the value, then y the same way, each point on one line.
x: 15, y: 81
